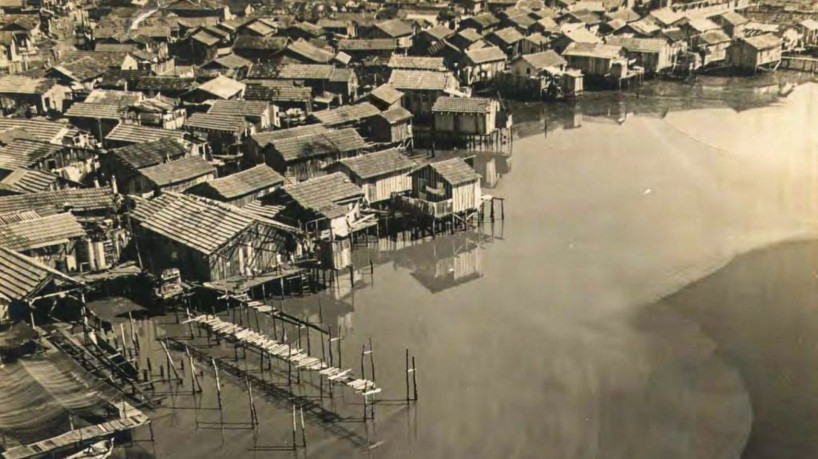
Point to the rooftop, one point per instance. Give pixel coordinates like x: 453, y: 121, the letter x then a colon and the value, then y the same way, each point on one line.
x: 245, y: 182
x: 421, y: 80
x: 23, y: 277
x: 132, y: 133
x: 79, y: 199
x: 181, y: 170
x: 455, y: 171
x: 378, y: 163
x: 323, y: 193
x: 346, y: 114
x: 462, y: 105
x: 41, y: 232
x: 317, y: 144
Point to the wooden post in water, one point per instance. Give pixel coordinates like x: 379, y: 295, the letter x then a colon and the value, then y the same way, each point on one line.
x: 407, y: 376
x: 194, y: 380
x: 294, y: 444
x: 253, y: 417
x: 218, y: 383
x: 303, y: 430
x: 414, y: 378
x: 170, y: 363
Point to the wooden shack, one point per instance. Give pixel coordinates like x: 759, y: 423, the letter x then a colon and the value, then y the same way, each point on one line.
x: 392, y: 127
x: 443, y: 188
x: 305, y: 156
x: 208, y: 240
x: 176, y: 175
x: 748, y: 54
x: 52, y: 240
x: 381, y: 174
x: 421, y: 88
x: 242, y: 187
x: 465, y: 115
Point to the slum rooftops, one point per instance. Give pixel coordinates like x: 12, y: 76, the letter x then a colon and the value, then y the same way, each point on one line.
x: 439, y: 32
x: 702, y: 25
x: 455, y: 171
x: 267, y: 137
x: 386, y: 94
x: 714, y: 37
x: 180, y: 170
x: 201, y: 224
x: 163, y: 84
x: 809, y: 24
x: 319, y: 143
x: 23, y: 85
x: 44, y: 131
x: 446, y: 104
x: 323, y: 193
x: 508, y: 36
x: 258, y: 90
x: 421, y: 80
x: 268, y: 43
x: 367, y: 44
x: 139, y: 155
x: 484, y: 20
x: 243, y: 183
x: 27, y: 181
x: 733, y: 18
x: 638, y: 45
x: 222, y: 87
x: 594, y: 50
x: 379, y: 163
x: 666, y: 17
x: 216, y: 122
x: 396, y: 115
x: 310, y: 52
x: 99, y: 111
x: 23, y: 152
x: 544, y: 59
x: 395, y: 28
x: 40, y: 232
x: 133, y: 133
x: 245, y: 108
x: 416, y: 63
x: 23, y: 277
x: 346, y: 114
x: 765, y: 41
x: 80, y: 199
x: 487, y: 54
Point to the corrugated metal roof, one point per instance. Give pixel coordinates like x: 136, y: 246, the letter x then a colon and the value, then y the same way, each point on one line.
x: 23, y: 277
x: 322, y: 143
x: 455, y: 171
x: 346, y: 114
x: 245, y: 182
x: 378, y: 163
x: 177, y: 171
x: 42, y: 232
x: 133, y: 133
x: 322, y: 193
x: 27, y: 181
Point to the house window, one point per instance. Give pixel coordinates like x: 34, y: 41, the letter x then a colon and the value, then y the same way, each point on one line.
x: 528, y: 71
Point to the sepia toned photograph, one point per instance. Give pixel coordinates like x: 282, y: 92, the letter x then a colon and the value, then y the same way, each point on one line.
x: 292, y: 229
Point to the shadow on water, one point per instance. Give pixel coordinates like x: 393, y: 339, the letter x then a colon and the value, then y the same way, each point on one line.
x: 760, y: 311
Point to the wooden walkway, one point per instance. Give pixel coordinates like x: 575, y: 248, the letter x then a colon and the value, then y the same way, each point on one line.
x: 284, y: 351
x: 130, y: 418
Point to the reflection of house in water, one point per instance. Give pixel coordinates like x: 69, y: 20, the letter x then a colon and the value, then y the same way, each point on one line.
x: 442, y: 263
x: 492, y: 166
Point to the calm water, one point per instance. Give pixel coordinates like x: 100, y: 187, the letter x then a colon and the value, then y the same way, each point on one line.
x: 598, y: 320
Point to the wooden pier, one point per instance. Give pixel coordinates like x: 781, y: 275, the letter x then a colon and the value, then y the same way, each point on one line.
x: 285, y: 352
x: 129, y: 418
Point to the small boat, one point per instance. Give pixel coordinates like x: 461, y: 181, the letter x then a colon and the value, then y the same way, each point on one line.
x: 99, y: 450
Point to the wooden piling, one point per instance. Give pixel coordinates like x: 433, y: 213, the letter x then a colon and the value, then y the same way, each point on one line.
x: 218, y: 383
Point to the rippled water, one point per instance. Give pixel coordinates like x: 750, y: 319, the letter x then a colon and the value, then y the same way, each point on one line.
x: 547, y: 335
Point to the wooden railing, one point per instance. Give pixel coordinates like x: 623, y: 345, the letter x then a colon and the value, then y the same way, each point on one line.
x: 433, y: 209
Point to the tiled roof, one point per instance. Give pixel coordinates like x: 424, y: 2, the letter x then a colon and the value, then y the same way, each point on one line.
x: 421, y: 80
x: 232, y: 61
x: 544, y: 59
x: 216, y: 122
x: 267, y: 137
x: 18, y: 84
x: 322, y: 143
x: 41, y: 232
x: 378, y: 163
x: 27, y: 181
x: 222, y: 87
x: 323, y: 193
x: 139, y: 155
x: 395, y: 28
x: 439, y: 32
x: 485, y: 20
x: 455, y: 171
x: 509, y: 35
x: 239, y: 107
x: 163, y: 83
x: 386, y: 94
x: 462, y: 105
x: 416, y: 62
x: 44, y: 131
x: 132, y: 133
x: 714, y: 37
x: 765, y: 41
x: 592, y: 50
x: 181, y: 170
x: 487, y: 54
x: 245, y: 182
x: 94, y: 110
x: 304, y: 72
x: 638, y: 45
x: 23, y: 277
x: 80, y: 199
x: 396, y: 115
x: 82, y: 69
x: 268, y: 43
x: 198, y: 223
x: 361, y: 44
x: 283, y: 93
x: 22, y: 153
x: 346, y: 114
x: 310, y: 52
